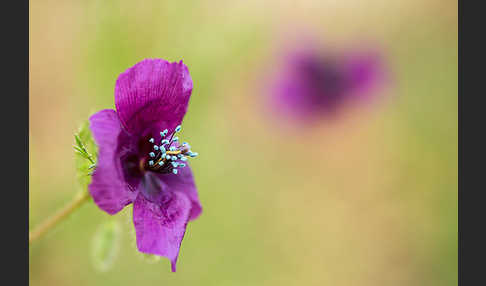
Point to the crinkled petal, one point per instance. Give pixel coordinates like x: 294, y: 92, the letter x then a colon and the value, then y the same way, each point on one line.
x: 184, y: 182
x: 154, y: 92
x: 160, y: 227
x: 108, y: 187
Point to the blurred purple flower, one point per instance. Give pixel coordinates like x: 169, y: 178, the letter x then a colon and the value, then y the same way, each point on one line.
x: 141, y: 161
x: 314, y: 84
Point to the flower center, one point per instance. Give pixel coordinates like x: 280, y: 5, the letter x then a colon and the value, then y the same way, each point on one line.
x: 326, y: 76
x: 169, y: 155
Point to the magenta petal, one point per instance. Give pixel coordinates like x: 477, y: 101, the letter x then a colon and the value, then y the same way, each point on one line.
x: 107, y: 187
x: 184, y: 182
x: 365, y: 71
x: 154, y: 92
x: 161, y: 227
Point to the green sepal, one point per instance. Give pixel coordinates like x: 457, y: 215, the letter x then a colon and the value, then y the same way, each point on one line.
x: 86, y: 151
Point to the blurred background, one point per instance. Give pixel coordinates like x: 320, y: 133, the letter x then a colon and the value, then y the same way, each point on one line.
x: 369, y: 199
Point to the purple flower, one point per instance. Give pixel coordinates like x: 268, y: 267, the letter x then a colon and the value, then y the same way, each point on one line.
x: 314, y: 84
x: 140, y: 158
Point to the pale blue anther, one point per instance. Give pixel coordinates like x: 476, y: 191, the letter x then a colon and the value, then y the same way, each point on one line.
x: 184, y: 159
x: 165, y: 141
x: 193, y: 154
x: 174, y: 158
x: 175, y: 139
x: 182, y: 165
x: 174, y: 171
x: 167, y: 157
x: 179, y: 156
x: 152, y: 154
x: 156, y: 147
x: 162, y: 148
x: 151, y: 163
x: 172, y: 148
x: 178, y: 128
x: 161, y: 163
x: 174, y: 164
x: 163, y: 133
x: 151, y: 140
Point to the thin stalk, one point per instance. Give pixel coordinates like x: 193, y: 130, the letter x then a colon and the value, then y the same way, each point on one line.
x: 59, y: 216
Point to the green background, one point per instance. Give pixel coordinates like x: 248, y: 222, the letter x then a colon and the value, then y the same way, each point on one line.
x: 369, y: 198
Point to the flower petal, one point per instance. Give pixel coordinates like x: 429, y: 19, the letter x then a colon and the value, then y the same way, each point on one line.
x: 184, y: 182
x: 160, y: 227
x: 108, y: 188
x: 365, y: 71
x: 153, y: 92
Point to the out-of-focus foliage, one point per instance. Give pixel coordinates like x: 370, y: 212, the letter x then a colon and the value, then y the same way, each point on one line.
x: 106, y: 243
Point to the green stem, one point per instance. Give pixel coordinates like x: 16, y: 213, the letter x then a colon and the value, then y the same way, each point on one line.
x: 59, y: 216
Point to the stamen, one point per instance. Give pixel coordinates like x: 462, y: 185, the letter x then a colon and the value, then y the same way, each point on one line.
x: 186, y: 145
x: 169, y: 153
x: 163, y: 133
x: 162, y: 149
